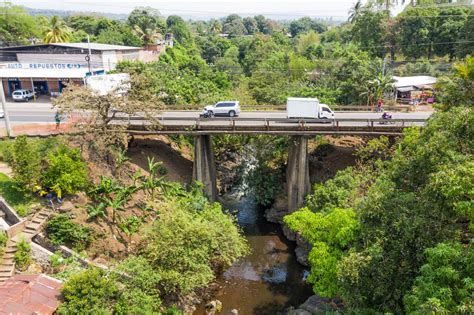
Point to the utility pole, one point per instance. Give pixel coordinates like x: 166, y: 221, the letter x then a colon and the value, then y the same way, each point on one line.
x: 88, y: 58
x: 4, y: 107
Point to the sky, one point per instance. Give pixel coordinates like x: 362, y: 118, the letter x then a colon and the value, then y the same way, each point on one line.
x: 338, y: 9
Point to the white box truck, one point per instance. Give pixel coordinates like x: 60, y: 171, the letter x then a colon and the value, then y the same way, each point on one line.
x: 307, y: 108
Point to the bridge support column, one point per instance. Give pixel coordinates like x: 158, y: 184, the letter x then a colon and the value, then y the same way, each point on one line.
x: 297, y: 173
x: 204, y: 169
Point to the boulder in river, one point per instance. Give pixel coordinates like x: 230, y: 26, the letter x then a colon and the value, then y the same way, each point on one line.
x: 213, y: 307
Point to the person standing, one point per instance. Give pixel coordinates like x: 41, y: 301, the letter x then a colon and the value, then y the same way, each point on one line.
x: 57, y: 118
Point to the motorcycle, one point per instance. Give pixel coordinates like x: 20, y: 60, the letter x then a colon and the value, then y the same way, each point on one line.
x: 207, y: 114
x: 387, y: 119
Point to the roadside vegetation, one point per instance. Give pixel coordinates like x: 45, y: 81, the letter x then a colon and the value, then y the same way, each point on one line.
x: 161, y: 241
x: 263, y: 61
x: 394, y: 234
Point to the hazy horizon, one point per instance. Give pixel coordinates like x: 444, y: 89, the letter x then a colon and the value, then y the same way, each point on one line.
x: 337, y: 9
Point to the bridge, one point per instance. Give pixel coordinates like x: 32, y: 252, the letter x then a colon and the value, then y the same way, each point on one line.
x: 271, y: 123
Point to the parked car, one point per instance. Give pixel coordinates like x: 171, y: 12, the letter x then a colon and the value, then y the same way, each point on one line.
x: 227, y: 108
x: 23, y: 95
x: 2, y: 114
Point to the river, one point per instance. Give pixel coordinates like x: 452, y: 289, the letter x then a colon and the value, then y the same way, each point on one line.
x: 269, y: 279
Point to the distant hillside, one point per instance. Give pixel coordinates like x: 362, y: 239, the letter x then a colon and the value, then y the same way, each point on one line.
x: 63, y: 13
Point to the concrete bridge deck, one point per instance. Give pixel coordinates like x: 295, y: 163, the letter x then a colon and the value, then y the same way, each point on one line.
x: 273, y: 123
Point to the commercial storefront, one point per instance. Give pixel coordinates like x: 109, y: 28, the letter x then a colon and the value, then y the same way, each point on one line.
x: 47, y: 68
x: 46, y: 82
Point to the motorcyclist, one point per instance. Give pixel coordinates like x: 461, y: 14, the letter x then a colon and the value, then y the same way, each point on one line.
x: 386, y: 115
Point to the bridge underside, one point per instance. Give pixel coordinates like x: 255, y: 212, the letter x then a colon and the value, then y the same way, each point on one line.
x: 298, y: 184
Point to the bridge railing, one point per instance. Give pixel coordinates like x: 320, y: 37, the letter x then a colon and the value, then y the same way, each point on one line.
x: 277, y: 126
x: 234, y: 121
x: 264, y: 107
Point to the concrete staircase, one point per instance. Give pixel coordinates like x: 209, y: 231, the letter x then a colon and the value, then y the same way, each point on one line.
x: 33, y: 226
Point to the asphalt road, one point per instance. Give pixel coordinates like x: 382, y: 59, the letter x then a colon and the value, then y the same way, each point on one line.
x: 27, y: 113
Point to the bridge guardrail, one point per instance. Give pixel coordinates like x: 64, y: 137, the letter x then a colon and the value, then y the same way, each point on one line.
x: 283, y: 107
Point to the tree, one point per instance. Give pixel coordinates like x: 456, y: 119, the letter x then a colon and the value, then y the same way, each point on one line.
x: 102, y: 135
x: 467, y: 37
x: 458, y: 88
x: 234, y: 26
x: 17, y: 27
x: 146, y: 17
x: 330, y: 235
x: 148, y: 35
x: 369, y: 31
x: 57, y: 31
x: 415, y: 32
x: 445, y: 282
x: 179, y: 29
x: 251, y: 25
x: 215, y: 26
x: 25, y: 161
x: 355, y: 11
x: 191, y: 239
x: 65, y: 171
x: 304, y: 25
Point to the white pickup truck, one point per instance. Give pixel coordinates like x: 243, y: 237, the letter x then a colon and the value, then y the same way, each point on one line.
x: 307, y: 108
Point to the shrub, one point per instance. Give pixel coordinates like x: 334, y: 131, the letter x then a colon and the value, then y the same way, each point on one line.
x: 89, y: 292
x: 3, y: 242
x: 23, y: 255
x: 61, y: 230
x: 65, y: 170
x: 189, y: 241
x: 25, y: 161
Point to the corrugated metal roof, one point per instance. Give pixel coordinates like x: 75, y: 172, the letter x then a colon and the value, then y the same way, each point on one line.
x: 96, y: 46
x: 30, y: 294
x: 413, y: 81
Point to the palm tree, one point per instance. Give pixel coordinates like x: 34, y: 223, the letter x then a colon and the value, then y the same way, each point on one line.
x: 355, y: 11
x: 56, y: 31
x: 148, y: 35
x: 216, y: 27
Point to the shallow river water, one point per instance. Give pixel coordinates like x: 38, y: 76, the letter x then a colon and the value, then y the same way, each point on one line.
x: 269, y: 279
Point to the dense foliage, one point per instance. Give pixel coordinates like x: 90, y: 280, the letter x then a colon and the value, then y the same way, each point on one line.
x: 50, y: 163
x: 385, y: 250
x: 62, y: 230
x: 258, y: 60
x: 207, y: 240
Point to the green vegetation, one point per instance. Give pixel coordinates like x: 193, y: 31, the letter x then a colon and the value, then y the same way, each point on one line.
x: 16, y: 198
x: 259, y: 64
x: 49, y: 163
x: 208, y: 240
x: 391, y: 216
x: 22, y: 256
x: 3, y: 242
x: 62, y: 230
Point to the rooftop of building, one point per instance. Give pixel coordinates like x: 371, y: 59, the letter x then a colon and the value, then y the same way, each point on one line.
x: 92, y: 46
x: 30, y: 294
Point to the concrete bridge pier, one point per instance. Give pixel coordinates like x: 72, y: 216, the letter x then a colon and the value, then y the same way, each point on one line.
x: 297, y: 173
x: 204, y: 169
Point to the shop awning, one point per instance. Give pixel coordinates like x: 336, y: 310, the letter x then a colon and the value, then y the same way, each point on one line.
x: 44, y: 73
x: 406, y: 89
